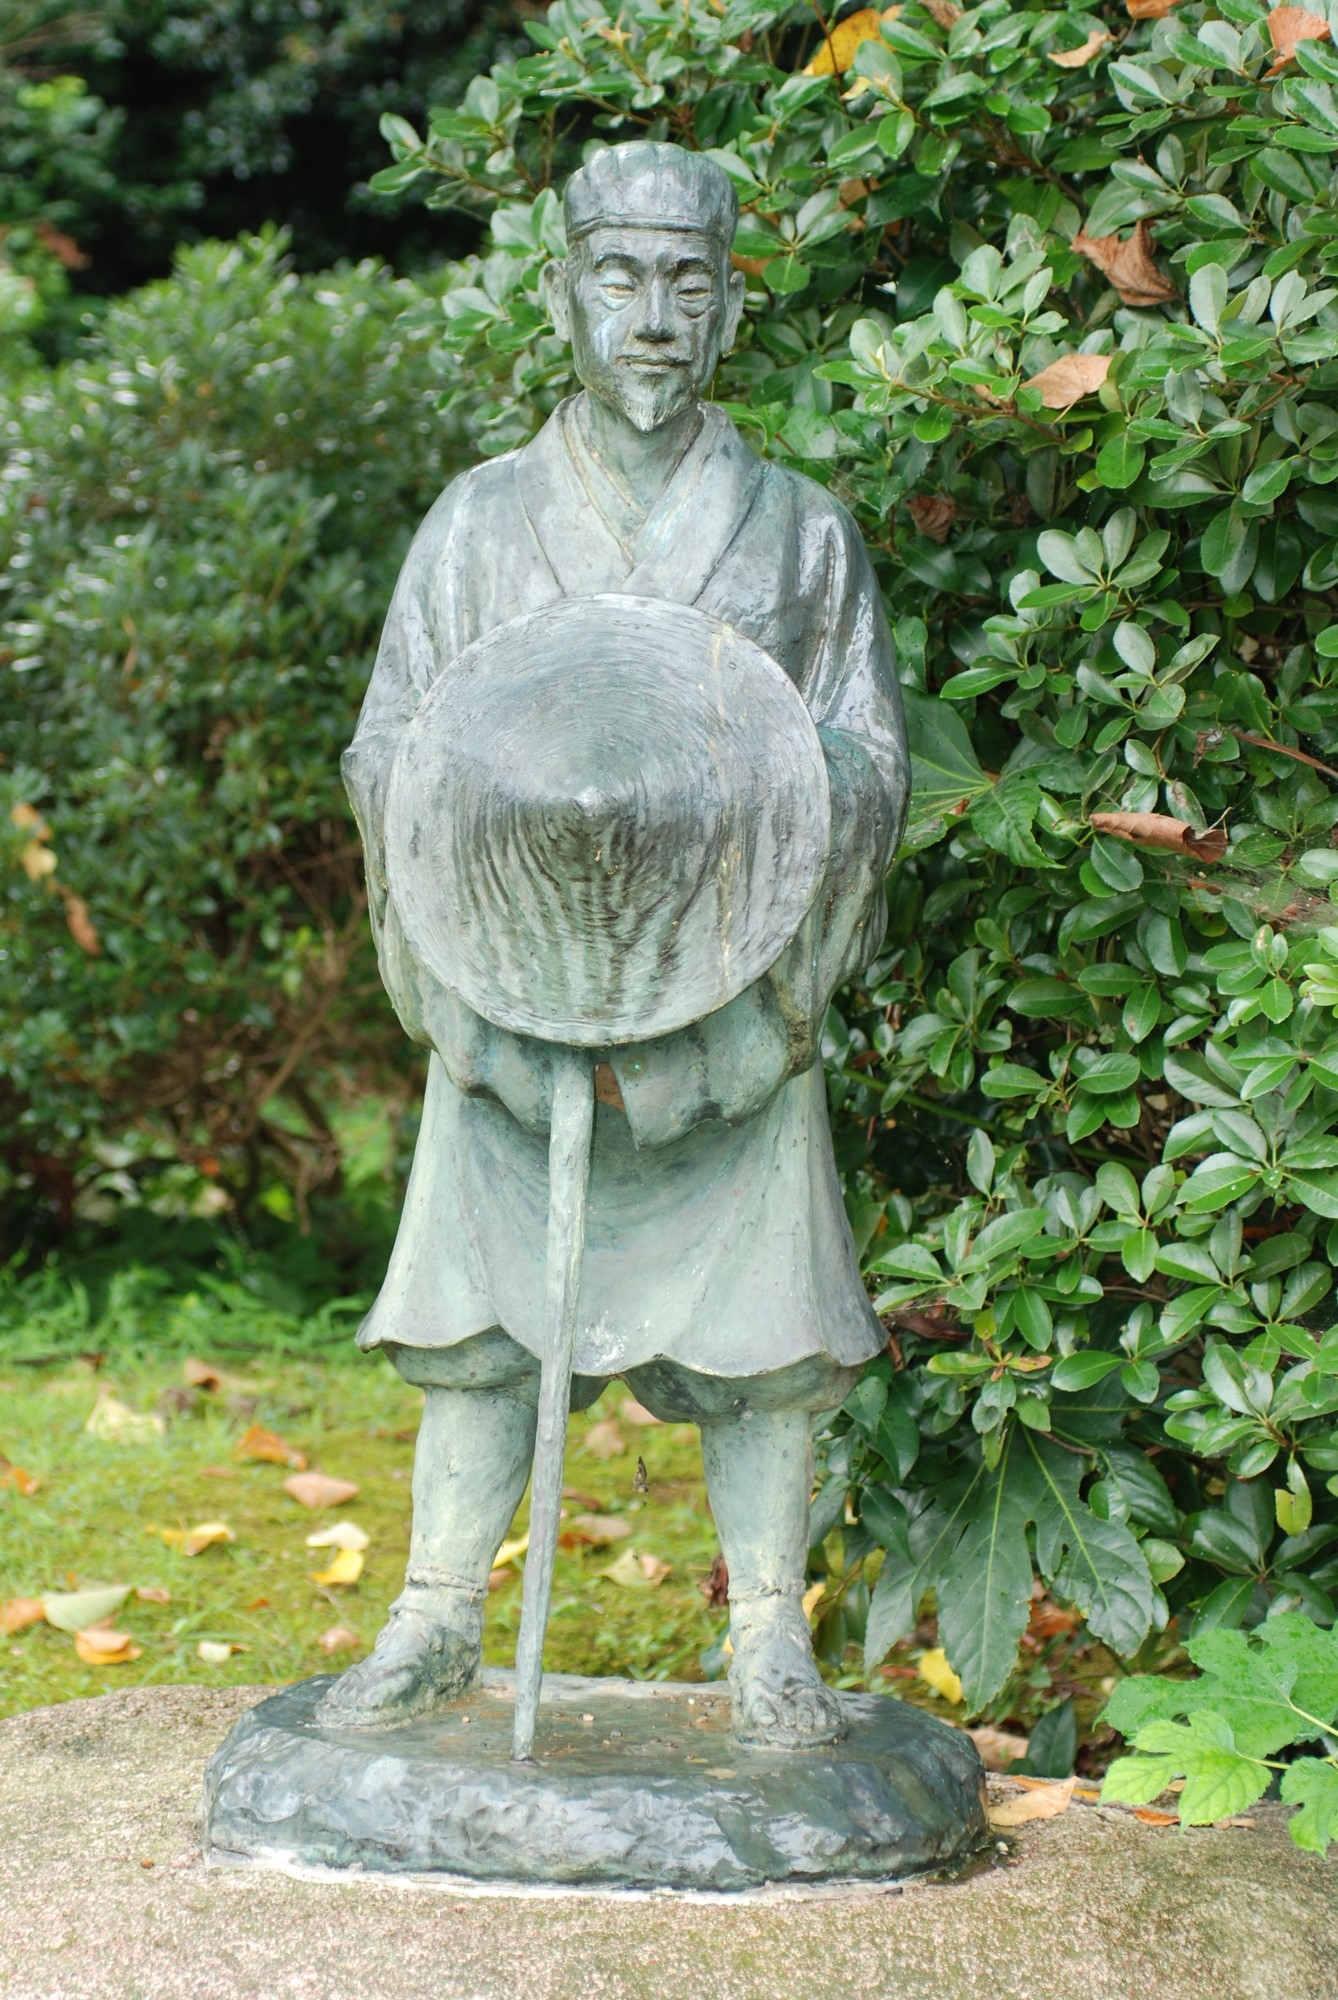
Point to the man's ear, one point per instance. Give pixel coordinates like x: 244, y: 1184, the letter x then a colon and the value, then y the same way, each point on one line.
x: 734, y: 290
x: 554, y: 283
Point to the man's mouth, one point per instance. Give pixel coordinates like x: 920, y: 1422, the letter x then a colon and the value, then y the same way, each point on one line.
x: 650, y: 364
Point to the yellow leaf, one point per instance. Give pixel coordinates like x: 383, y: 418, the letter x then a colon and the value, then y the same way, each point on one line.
x: 340, y: 1535
x: 191, y: 1541
x: 37, y: 861
x: 28, y: 820
x: 17, y: 1613
x: 837, y: 50
x: 215, y: 1651
x: 935, y: 1672
x: 634, y: 1572
x: 346, y: 1568
x: 22, y: 1482
x: 1080, y: 57
x: 812, y: 1595
x: 101, y: 1648
x: 1042, y: 1801
x: 116, y: 1423
x: 510, y: 1552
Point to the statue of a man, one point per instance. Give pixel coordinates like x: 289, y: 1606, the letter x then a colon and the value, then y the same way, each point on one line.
x: 720, y: 1279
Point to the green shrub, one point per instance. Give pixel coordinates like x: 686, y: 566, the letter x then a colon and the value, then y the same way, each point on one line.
x: 1042, y: 294
x: 201, y: 522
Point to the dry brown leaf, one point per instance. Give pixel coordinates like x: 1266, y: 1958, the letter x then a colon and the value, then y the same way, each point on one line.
x: 339, y: 1639
x: 594, y: 1531
x: 998, y: 1747
x: 945, y: 12
x: 933, y: 514
x: 633, y: 1412
x: 1128, y: 265
x: 345, y: 1568
x: 837, y: 50
x: 1079, y: 58
x: 81, y: 926
x: 319, y: 1489
x: 28, y: 820
x: 101, y: 1648
x: 200, y: 1375
x: 1289, y: 25
x: 153, y: 1593
x: 1151, y: 1818
x: 1177, y: 836
x: 269, y: 1448
x: 1040, y: 1800
x: 1149, y: 10
x: 37, y: 861
x: 20, y: 1612
x: 634, y: 1570
x: 218, y: 1472
x: 1070, y: 378
x: 604, y: 1440
x: 22, y: 1482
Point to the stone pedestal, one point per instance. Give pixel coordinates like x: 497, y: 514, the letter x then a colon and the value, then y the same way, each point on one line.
x: 636, y: 1785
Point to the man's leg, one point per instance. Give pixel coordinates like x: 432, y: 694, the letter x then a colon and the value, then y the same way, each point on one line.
x: 475, y: 1444
x: 758, y: 1454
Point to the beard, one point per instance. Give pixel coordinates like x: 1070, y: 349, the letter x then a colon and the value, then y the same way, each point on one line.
x: 649, y: 399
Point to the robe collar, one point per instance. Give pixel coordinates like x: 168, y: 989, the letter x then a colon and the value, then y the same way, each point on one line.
x: 582, y: 523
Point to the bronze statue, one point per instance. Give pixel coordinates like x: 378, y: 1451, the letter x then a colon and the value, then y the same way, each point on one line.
x: 564, y: 884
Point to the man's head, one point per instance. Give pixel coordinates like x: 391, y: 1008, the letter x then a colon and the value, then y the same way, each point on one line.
x: 647, y: 297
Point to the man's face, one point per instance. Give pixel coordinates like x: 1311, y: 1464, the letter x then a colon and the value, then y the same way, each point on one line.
x: 648, y: 313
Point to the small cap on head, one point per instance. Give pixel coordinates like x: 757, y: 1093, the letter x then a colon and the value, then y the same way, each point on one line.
x: 645, y: 185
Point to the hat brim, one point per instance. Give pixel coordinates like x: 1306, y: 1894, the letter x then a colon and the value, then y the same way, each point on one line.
x: 606, y: 820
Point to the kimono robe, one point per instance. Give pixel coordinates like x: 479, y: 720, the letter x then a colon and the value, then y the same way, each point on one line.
x: 716, y: 1234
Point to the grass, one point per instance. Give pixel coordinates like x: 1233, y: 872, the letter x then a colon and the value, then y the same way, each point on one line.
x: 96, y: 1514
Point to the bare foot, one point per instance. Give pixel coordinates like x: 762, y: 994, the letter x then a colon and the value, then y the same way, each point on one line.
x: 777, y: 1697
x: 419, y: 1664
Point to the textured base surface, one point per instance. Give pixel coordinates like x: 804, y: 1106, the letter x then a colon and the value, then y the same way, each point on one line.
x: 635, y: 1785
x: 104, y: 1892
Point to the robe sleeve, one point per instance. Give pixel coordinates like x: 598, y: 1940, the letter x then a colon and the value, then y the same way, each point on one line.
x: 733, y: 1063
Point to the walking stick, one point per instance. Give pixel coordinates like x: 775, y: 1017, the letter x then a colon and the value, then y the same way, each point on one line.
x: 568, y: 1175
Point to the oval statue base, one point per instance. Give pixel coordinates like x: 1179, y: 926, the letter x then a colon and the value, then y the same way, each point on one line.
x: 635, y: 1785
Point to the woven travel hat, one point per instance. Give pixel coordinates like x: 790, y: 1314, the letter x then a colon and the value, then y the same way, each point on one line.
x: 606, y: 819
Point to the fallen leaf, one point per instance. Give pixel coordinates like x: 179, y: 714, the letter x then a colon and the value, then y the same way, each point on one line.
x: 75, y: 1610
x: 1080, y: 57
x: 340, y: 1535
x: 933, y: 514
x: 510, y: 1552
x: 270, y: 1449
x: 497, y: 1577
x: 153, y: 1593
x: 101, y: 1648
x: 935, y: 1672
x: 1149, y: 10
x: 199, y: 1375
x: 1047, y: 1620
x: 116, y: 1423
x: 218, y: 1472
x: 21, y: 1481
x: 1289, y: 25
x: 318, y: 1489
x: 812, y: 1597
x: 81, y: 926
x: 590, y: 1500
x: 192, y: 1541
x: 1128, y: 265
x: 1070, y: 378
x: 1040, y: 1800
x: 594, y: 1531
x: 1177, y: 836
x: 37, y: 861
x: 604, y: 1440
x: 1234, y: 1819
x: 634, y: 1571
x: 215, y: 1651
x: 345, y: 1568
x: 998, y: 1747
x: 633, y: 1412
x: 836, y: 52
x: 20, y: 1612
x: 1151, y: 1818
x: 339, y: 1639
x: 28, y: 820
x: 258, y: 1604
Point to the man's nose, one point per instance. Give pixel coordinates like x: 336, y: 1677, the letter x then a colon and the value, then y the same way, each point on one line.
x: 656, y: 319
